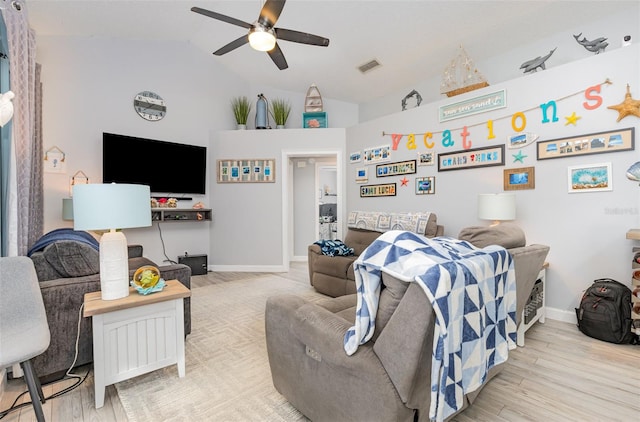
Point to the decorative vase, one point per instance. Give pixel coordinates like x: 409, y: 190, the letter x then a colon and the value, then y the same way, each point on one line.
x: 241, y: 127
x: 279, y: 126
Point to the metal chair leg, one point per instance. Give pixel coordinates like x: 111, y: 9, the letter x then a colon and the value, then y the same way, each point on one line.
x: 35, y: 389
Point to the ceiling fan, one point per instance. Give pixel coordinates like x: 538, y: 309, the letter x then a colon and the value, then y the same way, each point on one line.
x: 262, y: 34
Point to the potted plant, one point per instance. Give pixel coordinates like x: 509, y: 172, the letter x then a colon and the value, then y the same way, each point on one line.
x: 280, y: 110
x: 241, y: 108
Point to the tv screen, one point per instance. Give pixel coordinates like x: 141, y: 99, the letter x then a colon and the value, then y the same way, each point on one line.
x: 167, y: 167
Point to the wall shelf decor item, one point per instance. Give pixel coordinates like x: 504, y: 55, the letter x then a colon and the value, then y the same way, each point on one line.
x: 248, y: 171
x: 480, y: 104
x: 355, y: 157
x: 377, y: 154
x: 520, y: 140
x: 426, y: 158
x: 425, y: 185
x: 471, y: 158
x: 361, y: 175
x: 54, y: 160
x: 533, y: 64
x: 519, y: 178
x: 313, y: 100
x: 387, y: 189
x: 396, y: 169
x: 590, y: 178
x: 313, y: 120
x: 461, y: 76
x: 591, y: 143
x: 596, y: 45
x: 412, y: 94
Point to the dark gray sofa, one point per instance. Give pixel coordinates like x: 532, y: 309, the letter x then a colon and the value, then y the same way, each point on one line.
x: 67, y: 270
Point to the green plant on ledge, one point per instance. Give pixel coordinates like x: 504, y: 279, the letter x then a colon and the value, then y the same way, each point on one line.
x: 280, y: 110
x: 241, y: 108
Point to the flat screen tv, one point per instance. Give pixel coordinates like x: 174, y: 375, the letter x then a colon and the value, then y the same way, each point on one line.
x: 166, y: 167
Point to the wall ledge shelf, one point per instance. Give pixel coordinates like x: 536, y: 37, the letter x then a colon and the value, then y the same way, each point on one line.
x: 633, y: 234
x: 180, y: 214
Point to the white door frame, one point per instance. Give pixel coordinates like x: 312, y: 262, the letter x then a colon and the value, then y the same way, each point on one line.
x: 287, y: 194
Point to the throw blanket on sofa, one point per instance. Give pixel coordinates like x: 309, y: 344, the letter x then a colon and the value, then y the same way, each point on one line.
x: 63, y: 234
x: 473, y: 294
x: 334, y: 247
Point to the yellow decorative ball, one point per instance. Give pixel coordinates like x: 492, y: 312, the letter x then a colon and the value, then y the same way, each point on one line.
x: 146, y: 276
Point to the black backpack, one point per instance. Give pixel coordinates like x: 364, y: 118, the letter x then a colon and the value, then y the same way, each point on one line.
x: 605, y: 312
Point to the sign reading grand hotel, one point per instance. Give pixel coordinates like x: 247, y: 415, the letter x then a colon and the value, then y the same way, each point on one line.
x: 476, y: 105
x: 388, y: 189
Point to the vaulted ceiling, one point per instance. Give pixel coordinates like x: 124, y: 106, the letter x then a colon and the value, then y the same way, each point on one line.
x: 413, y: 40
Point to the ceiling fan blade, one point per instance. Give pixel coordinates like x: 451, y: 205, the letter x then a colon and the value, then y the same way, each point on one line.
x: 300, y: 37
x: 221, y: 17
x: 232, y: 45
x: 270, y: 12
x: 278, y: 58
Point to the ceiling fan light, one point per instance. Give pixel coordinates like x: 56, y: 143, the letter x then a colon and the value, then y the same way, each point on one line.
x: 262, y: 39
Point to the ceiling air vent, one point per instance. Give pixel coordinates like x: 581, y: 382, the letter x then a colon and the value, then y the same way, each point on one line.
x: 369, y: 66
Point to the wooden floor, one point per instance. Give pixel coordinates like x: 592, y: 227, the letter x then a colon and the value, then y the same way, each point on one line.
x: 559, y: 375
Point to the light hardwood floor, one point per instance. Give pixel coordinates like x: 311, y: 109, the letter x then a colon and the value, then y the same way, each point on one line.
x: 559, y: 375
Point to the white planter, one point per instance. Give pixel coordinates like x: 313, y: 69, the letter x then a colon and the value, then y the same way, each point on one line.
x: 241, y: 127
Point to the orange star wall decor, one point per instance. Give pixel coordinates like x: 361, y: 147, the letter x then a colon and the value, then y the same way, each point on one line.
x: 629, y: 107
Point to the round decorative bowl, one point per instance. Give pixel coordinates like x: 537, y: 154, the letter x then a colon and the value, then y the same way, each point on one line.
x: 146, y: 276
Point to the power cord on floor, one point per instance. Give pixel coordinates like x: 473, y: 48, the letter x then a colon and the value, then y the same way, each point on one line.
x: 68, y: 375
x: 163, y: 248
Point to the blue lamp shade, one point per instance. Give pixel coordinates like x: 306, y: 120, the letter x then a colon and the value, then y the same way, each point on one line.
x: 111, y: 206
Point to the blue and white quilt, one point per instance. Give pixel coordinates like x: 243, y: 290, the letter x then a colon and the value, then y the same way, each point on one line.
x: 473, y: 294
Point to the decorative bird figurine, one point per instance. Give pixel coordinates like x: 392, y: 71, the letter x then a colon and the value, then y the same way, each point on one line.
x: 595, y: 46
x: 538, y: 62
x: 6, y: 107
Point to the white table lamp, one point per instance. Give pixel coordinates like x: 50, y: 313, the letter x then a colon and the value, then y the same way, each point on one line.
x: 110, y: 207
x: 497, y: 207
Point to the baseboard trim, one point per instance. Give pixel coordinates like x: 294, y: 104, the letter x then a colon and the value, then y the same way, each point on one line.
x: 248, y: 268
x: 299, y: 258
x: 561, y: 315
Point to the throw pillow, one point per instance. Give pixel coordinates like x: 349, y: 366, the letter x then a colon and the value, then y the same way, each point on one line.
x: 507, y: 235
x: 72, y: 259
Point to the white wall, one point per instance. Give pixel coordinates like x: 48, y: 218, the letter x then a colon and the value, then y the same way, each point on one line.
x: 506, y: 66
x: 89, y: 85
x: 248, y: 228
x: 586, y: 231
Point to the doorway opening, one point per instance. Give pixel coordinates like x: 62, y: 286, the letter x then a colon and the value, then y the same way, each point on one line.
x: 303, y: 192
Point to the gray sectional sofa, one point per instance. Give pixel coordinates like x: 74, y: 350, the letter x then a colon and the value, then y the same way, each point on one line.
x: 66, y: 270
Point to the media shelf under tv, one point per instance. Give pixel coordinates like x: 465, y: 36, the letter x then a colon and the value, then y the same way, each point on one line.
x: 180, y: 214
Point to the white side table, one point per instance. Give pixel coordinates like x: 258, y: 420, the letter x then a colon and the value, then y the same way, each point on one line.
x: 136, y: 334
x: 540, y: 312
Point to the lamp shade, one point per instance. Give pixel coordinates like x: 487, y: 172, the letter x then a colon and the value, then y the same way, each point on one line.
x: 497, y: 206
x: 67, y: 209
x: 111, y: 206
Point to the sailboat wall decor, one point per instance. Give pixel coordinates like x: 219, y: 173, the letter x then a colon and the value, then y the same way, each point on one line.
x: 461, y: 76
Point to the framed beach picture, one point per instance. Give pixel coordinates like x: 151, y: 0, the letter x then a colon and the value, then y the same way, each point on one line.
x: 590, y: 178
x: 519, y: 178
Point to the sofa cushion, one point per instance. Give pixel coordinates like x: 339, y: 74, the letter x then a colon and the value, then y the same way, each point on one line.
x: 72, y: 259
x: 507, y: 235
x: 392, y: 292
